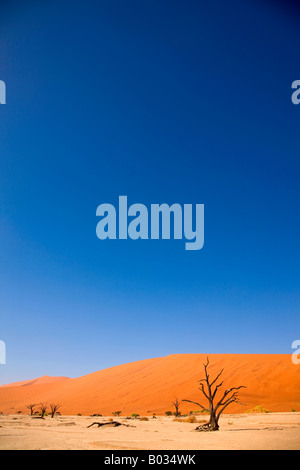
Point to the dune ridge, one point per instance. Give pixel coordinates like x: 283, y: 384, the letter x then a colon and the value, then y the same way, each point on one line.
x: 45, y: 379
x: 149, y: 386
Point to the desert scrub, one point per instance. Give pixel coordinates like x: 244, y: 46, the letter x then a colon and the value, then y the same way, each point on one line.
x: 144, y: 419
x: 258, y: 409
x: 202, y: 412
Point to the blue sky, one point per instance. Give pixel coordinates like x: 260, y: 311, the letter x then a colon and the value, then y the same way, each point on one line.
x: 183, y: 102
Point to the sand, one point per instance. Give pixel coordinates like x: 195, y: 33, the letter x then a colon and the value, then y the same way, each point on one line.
x: 149, y: 386
x: 238, y: 431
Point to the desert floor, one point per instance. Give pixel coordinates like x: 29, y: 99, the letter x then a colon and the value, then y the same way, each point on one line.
x: 244, y: 431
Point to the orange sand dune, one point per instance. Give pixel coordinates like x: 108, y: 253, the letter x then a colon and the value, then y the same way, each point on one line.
x: 150, y: 386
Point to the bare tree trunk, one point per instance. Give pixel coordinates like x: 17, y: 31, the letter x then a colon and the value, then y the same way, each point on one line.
x: 212, y: 425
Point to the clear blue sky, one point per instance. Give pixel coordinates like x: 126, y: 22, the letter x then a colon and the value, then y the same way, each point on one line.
x: 186, y: 102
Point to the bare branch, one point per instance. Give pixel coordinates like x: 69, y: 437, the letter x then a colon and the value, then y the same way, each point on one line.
x: 203, y: 391
x: 198, y: 404
x: 219, y: 375
x: 226, y: 393
x: 216, y: 389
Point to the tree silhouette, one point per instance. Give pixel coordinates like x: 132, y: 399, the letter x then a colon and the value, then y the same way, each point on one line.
x: 43, y: 409
x: 215, y: 410
x: 31, y: 408
x: 54, y: 408
x: 176, y: 404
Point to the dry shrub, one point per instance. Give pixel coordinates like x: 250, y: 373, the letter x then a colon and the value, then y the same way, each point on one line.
x: 258, y: 409
x: 190, y: 419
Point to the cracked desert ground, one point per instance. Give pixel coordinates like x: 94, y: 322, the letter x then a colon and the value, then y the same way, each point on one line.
x: 274, y: 431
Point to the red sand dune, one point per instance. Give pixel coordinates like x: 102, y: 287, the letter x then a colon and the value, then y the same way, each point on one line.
x: 149, y: 386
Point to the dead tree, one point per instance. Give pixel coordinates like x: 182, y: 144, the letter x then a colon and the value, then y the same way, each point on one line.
x: 31, y: 408
x: 110, y: 424
x: 176, y: 404
x: 43, y: 409
x: 54, y: 408
x: 215, y: 409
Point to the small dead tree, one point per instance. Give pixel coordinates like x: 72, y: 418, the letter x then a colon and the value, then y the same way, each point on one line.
x: 43, y: 409
x: 176, y: 404
x: 54, y: 408
x: 31, y: 408
x: 215, y: 409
